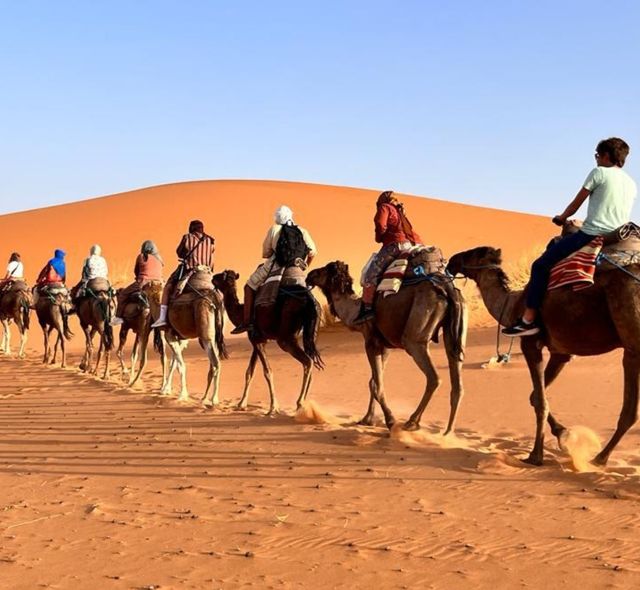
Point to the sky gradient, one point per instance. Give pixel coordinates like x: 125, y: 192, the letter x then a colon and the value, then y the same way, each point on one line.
x: 496, y: 103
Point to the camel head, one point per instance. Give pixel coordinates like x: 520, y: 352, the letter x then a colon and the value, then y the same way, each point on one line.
x: 225, y: 281
x: 332, y: 278
x: 467, y: 263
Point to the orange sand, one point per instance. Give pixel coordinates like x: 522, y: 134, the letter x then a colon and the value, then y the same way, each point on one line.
x: 108, y: 487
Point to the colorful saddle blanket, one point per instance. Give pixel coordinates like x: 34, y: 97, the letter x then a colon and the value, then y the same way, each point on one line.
x: 419, y: 262
x: 578, y: 269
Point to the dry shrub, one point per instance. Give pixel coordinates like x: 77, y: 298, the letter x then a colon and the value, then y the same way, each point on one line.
x: 121, y: 273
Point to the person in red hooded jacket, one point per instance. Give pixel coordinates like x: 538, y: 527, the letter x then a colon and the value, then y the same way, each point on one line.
x: 396, y: 234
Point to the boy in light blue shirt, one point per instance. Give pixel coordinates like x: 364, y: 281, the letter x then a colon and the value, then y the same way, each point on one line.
x: 611, y: 192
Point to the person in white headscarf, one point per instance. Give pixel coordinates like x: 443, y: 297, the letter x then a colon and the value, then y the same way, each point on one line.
x: 95, y: 267
x: 283, y: 217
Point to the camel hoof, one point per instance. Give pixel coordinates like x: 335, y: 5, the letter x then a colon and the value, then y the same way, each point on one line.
x: 365, y: 421
x: 272, y: 413
x: 411, y: 426
x: 241, y: 407
x: 599, y: 461
x: 533, y: 460
x: 183, y: 398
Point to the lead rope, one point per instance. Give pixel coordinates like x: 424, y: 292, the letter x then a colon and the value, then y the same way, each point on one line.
x: 506, y: 356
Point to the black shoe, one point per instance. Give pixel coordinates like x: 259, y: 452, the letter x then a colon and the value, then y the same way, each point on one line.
x: 521, y: 328
x: 366, y: 314
x: 242, y: 328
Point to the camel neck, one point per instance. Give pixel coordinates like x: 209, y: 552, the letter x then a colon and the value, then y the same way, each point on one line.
x: 501, y: 302
x: 346, y: 305
x: 233, y: 306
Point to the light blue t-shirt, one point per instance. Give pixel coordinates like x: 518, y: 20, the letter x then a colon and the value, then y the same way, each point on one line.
x: 612, y: 194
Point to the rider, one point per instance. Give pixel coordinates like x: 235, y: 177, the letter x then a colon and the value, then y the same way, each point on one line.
x: 295, y: 235
x: 148, y: 268
x: 15, y: 271
x: 611, y: 192
x: 195, y: 252
x: 93, y: 267
x: 53, y: 273
x: 394, y: 231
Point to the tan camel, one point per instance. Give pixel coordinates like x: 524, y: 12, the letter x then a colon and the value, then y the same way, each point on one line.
x: 297, y: 312
x: 52, y: 309
x: 95, y: 311
x: 137, y: 317
x: 15, y: 305
x: 196, y: 314
x: 409, y: 320
x: 589, y: 322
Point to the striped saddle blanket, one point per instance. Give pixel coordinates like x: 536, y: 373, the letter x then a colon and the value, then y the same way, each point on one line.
x: 578, y: 269
x: 420, y: 261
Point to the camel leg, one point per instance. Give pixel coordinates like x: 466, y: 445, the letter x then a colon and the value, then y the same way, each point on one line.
x: 85, y: 363
x: 455, y: 376
x: 374, y: 355
x: 556, y: 363
x: 63, y: 350
x: 99, y: 355
x: 177, y: 347
x: 274, y: 407
x: 248, y: 377
x: 535, y: 363
x: 167, y: 384
x: 24, y: 333
x: 107, y: 359
x: 213, y: 378
x: 46, y: 330
x: 419, y: 351
x: 122, y: 341
x: 164, y: 358
x: 368, y: 418
x: 6, y: 338
x: 293, y: 348
x: 629, y: 413
x: 140, y: 348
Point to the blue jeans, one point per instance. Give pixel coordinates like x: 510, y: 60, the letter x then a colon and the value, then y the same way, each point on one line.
x: 541, y: 268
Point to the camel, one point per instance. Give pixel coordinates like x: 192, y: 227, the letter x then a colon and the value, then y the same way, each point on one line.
x: 588, y: 322
x: 409, y: 320
x: 15, y: 307
x: 95, y: 311
x: 53, y: 314
x: 138, y: 316
x: 195, y: 314
x: 297, y: 312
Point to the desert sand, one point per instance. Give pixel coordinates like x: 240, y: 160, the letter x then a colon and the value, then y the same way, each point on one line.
x: 104, y: 486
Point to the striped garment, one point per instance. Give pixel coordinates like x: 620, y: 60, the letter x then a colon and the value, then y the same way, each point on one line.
x: 578, y: 269
x: 196, y: 251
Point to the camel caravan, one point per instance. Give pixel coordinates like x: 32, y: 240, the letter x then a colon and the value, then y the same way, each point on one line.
x: 583, y: 298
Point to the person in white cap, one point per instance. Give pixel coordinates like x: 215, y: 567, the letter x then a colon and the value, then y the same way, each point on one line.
x: 284, y: 245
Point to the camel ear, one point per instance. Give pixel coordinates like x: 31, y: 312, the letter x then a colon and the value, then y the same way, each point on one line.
x: 236, y: 276
x: 499, y: 252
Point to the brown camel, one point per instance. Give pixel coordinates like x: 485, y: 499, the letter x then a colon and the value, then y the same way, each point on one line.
x: 15, y: 305
x: 409, y: 320
x: 195, y: 314
x: 52, y: 309
x: 589, y: 322
x: 296, y: 312
x: 95, y: 311
x: 137, y: 315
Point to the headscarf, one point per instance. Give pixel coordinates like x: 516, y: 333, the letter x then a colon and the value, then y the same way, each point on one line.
x: 283, y: 215
x: 196, y: 226
x: 96, y: 250
x: 149, y: 248
x: 58, y: 263
x: 387, y: 197
x: 15, y: 257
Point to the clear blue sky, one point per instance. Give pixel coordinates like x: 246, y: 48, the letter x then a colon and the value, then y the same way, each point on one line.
x: 496, y: 103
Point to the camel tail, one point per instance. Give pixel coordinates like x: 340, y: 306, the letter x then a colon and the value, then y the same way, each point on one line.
x: 66, y: 331
x: 310, y: 328
x: 456, y: 322
x: 220, y: 343
x: 158, y: 344
x: 26, y: 316
x: 105, y: 309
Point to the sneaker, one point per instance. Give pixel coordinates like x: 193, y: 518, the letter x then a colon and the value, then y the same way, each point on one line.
x: 159, y: 323
x: 366, y: 314
x: 521, y: 328
x: 116, y: 321
x: 242, y: 328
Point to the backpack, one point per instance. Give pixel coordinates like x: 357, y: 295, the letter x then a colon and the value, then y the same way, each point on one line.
x: 291, y: 245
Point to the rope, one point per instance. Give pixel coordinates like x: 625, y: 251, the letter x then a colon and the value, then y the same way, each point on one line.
x: 604, y: 257
x: 503, y: 357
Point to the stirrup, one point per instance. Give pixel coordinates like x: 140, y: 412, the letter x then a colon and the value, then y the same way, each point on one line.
x: 366, y: 314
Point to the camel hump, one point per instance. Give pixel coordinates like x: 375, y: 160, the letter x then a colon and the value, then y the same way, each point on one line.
x: 15, y: 286
x: 99, y: 285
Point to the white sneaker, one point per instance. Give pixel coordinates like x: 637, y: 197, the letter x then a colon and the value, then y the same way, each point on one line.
x: 116, y: 321
x: 162, y: 320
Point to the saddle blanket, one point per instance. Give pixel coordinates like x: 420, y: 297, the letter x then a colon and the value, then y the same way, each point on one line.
x: 394, y: 275
x: 578, y: 269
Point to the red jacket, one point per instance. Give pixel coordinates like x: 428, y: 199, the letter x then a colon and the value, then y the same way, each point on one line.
x: 389, y: 228
x: 149, y: 269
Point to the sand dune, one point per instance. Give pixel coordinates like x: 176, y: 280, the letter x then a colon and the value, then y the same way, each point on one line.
x: 238, y: 214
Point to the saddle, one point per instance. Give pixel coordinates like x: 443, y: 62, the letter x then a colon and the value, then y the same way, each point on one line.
x: 290, y: 279
x: 621, y: 247
x: 196, y: 281
x: 13, y: 286
x: 410, y: 267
